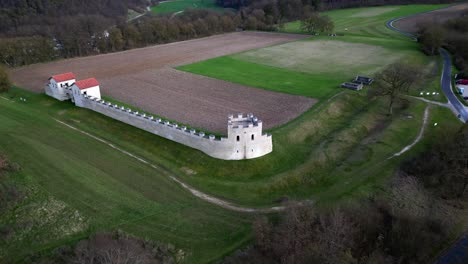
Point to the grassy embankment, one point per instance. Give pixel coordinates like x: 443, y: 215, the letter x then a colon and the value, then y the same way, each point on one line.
x: 180, y: 5
x: 334, y: 152
x: 75, y: 186
x: 367, y: 22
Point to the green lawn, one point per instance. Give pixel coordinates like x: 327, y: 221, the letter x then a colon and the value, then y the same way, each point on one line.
x: 76, y: 186
x: 180, y: 5
x: 367, y: 21
x: 266, y: 77
x: 313, y: 67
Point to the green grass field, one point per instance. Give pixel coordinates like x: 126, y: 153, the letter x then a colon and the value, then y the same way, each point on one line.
x: 368, y: 22
x: 334, y: 152
x: 180, y: 5
x: 76, y: 186
x: 313, y: 67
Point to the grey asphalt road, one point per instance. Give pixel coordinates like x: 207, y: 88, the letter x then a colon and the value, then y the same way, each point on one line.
x: 446, y: 82
x: 446, y: 78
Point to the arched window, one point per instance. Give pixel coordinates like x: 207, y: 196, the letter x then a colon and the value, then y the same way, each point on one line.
x: 238, y: 138
x: 252, y: 136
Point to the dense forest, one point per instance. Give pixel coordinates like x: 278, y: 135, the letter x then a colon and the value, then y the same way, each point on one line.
x: 27, y: 17
x: 452, y: 34
x: 89, y: 35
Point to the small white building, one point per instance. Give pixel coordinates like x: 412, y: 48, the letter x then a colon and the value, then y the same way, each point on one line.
x: 463, y: 90
x: 58, y: 85
x: 88, y: 87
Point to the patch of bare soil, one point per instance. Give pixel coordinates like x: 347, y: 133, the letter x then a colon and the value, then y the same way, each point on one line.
x: 145, y: 78
x: 411, y: 23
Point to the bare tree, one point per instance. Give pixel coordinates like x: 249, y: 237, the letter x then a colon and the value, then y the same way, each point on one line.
x: 394, y: 81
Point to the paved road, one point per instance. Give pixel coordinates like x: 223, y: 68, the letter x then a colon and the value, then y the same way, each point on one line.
x: 446, y: 82
x: 389, y: 24
x: 457, y: 254
x: 446, y: 79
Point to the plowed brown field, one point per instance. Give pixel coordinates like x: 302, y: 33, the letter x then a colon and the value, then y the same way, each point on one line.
x: 145, y: 78
x: 410, y: 24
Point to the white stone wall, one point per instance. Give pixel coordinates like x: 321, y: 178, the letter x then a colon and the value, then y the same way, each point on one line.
x: 92, y: 91
x: 222, y: 148
x: 58, y: 89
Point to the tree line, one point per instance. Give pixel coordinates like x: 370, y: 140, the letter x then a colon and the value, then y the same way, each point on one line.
x: 452, y: 34
x: 85, y: 35
x: 293, y: 8
x: 408, y: 222
x: 34, y: 31
x: 23, y: 17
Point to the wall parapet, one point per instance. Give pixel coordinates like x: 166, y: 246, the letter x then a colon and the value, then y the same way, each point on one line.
x: 244, y: 141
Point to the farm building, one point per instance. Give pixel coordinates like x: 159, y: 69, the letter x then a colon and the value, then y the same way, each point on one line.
x: 352, y: 86
x: 363, y: 80
x: 88, y: 87
x: 58, y: 84
x: 463, y: 90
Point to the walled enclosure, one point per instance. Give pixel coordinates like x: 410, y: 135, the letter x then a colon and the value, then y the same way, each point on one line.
x: 244, y: 141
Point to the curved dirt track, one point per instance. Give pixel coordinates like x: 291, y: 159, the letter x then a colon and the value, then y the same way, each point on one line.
x: 203, y: 196
x: 418, y: 138
x: 146, y: 79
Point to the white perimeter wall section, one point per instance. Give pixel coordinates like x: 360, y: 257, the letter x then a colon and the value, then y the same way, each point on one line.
x: 58, y: 90
x: 240, y: 144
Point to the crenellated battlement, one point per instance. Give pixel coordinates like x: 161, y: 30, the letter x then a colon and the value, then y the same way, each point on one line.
x: 244, y: 140
x: 156, y: 120
x: 241, y: 121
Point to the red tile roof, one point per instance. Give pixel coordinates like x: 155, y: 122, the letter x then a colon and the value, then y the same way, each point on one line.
x: 88, y: 83
x: 63, y: 77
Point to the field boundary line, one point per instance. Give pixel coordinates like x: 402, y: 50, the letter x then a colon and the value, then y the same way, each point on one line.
x: 193, y: 191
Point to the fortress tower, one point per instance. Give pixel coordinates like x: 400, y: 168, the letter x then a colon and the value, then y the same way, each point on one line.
x: 245, y: 134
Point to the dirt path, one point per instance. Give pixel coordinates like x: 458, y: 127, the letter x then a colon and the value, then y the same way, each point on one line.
x: 193, y: 191
x: 418, y: 138
x: 431, y: 102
